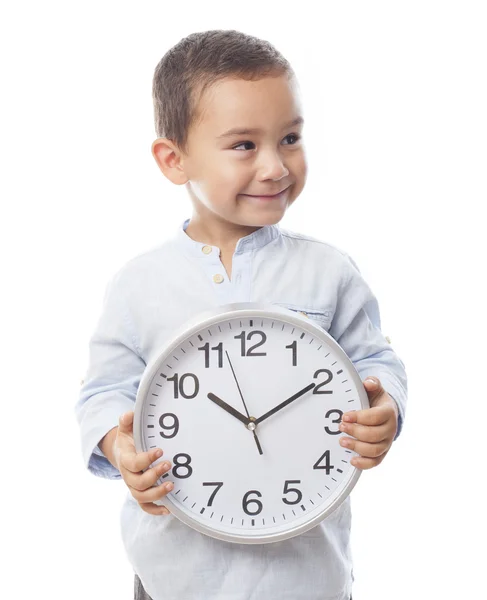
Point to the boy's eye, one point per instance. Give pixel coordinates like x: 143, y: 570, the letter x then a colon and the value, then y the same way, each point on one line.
x: 295, y: 135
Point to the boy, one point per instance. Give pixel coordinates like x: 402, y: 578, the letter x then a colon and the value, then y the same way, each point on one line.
x: 231, y: 250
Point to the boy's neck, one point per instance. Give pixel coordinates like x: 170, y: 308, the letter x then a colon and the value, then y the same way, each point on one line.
x: 223, y: 235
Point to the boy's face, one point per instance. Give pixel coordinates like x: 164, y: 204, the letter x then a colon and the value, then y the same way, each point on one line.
x: 223, y: 172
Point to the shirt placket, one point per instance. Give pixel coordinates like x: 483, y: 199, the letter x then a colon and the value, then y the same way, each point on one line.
x: 238, y: 288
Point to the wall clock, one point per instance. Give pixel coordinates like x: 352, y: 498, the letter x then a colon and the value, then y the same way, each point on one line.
x: 246, y: 402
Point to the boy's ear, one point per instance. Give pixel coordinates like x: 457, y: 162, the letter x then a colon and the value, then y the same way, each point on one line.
x: 168, y: 158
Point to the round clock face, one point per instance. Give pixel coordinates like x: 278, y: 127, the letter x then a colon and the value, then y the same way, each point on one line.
x: 246, y: 405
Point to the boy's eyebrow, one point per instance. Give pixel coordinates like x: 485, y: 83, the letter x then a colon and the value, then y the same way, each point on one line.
x: 245, y: 131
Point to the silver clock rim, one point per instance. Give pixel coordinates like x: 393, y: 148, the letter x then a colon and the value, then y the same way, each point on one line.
x: 208, y: 318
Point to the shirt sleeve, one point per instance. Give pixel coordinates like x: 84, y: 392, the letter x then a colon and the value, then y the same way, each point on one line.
x: 356, y: 327
x: 111, y: 380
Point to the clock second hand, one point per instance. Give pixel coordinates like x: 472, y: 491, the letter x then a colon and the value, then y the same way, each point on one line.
x: 251, y: 425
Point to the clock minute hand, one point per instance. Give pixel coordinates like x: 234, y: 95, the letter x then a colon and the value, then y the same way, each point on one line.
x: 285, y: 403
x: 245, y: 420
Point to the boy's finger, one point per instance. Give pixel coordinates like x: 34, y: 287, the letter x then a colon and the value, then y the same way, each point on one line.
x: 136, y: 462
x: 143, y: 481
x: 153, y: 493
x: 154, y: 509
x: 376, y: 415
x: 364, y: 449
x: 365, y: 433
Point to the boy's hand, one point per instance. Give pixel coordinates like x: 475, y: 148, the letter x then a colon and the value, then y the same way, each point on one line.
x: 373, y: 428
x: 130, y: 464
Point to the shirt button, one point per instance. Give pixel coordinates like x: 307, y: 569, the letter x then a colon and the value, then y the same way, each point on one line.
x: 206, y: 249
x: 303, y: 313
x: 388, y: 339
x: 218, y: 278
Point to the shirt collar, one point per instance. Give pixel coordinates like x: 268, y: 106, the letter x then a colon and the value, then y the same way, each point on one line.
x: 255, y: 240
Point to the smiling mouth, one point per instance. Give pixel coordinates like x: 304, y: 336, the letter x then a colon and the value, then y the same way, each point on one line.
x: 268, y: 196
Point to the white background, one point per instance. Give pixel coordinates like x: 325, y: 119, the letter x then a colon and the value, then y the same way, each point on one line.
x: 395, y: 105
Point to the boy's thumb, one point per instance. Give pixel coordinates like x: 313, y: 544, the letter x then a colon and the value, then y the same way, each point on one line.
x: 126, y: 421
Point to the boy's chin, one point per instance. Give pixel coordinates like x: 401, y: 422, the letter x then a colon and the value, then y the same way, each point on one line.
x: 262, y: 219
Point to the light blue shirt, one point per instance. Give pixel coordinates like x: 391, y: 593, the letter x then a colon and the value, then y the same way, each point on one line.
x: 145, y: 303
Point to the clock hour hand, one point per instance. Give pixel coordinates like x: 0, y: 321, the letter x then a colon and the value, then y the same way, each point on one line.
x: 285, y: 403
x: 245, y: 420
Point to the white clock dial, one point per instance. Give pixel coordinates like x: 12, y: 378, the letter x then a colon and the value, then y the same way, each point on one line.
x: 247, y: 405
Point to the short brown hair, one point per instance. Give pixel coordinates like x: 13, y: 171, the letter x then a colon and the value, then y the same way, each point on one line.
x: 196, y: 62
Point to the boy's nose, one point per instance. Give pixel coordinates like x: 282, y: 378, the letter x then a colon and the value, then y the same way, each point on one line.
x: 274, y: 168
